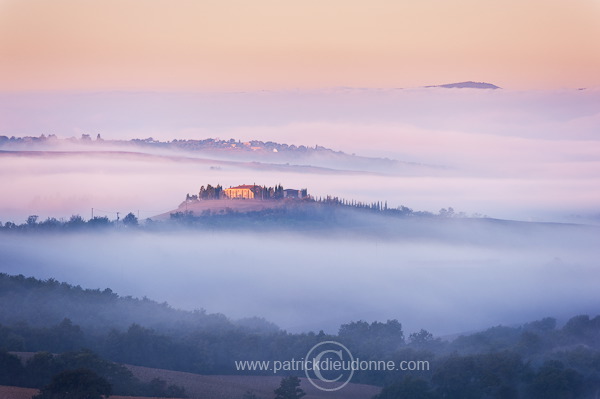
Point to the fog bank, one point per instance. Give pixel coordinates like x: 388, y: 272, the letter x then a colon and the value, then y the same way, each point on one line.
x: 310, y: 283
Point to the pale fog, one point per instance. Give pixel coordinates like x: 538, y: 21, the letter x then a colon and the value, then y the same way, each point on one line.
x: 531, y: 156
x: 444, y: 278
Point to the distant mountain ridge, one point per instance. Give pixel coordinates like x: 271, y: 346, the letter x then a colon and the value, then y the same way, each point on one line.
x: 468, y: 85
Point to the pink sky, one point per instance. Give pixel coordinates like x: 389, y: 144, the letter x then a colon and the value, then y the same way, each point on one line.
x: 273, y: 44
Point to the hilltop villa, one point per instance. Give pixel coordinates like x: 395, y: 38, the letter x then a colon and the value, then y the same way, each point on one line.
x: 247, y: 191
x: 244, y: 191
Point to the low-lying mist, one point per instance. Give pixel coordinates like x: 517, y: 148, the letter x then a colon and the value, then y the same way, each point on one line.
x: 60, y: 186
x: 465, y: 276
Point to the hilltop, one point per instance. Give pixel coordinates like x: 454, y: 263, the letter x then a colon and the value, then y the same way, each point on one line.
x: 468, y: 85
x: 214, y: 152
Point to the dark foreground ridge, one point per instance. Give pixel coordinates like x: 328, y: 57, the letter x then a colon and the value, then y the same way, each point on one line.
x: 539, y: 359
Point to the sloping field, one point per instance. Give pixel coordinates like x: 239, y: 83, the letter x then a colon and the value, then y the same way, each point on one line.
x: 16, y: 393
x: 234, y: 387
x: 222, y: 205
x: 216, y: 386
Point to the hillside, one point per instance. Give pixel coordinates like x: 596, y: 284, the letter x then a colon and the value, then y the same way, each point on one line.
x: 215, y: 153
x: 222, y: 206
x: 44, y: 303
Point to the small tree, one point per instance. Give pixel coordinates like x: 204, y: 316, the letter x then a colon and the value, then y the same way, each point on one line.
x: 289, y: 389
x: 76, y: 384
x: 76, y: 221
x: 130, y: 220
x: 420, y: 337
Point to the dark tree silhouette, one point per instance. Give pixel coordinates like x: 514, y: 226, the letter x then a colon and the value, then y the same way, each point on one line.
x: 289, y: 389
x: 76, y: 221
x: 11, y: 369
x: 76, y: 384
x: 130, y: 220
x: 553, y: 380
x: 420, y: 337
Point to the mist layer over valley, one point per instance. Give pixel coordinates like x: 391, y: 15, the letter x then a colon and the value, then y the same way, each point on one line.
x: 444, y: 275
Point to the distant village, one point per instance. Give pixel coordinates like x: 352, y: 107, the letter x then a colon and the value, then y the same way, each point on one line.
x: 209, y: 144
x: 247, y: 192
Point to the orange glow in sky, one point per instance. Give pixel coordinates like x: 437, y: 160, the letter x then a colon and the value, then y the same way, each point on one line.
x: 280, y: 44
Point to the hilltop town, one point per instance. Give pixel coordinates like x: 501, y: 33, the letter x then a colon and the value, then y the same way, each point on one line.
x: 208, y: 144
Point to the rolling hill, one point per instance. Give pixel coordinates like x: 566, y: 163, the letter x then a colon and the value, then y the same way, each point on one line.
x: 468, y: 85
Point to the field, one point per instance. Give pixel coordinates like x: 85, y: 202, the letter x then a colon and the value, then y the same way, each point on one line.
x: 16, y: 393
x: 222, y: 205
x: 234, y: 387
x: 215, y: 386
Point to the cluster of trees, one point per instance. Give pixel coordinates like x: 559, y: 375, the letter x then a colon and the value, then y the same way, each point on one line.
x: 277, y: 192
x: 487, y: 364
x: 208, y: 193
x: 83, y: 374
x: 44, y: 304
x: 382, y: 207
x: 76, y: 384
x: 289, y: 389
x: 74, y: 223
x: 498, y: 375
x: 375, y: 206
x: 260, y: 192
x: 536, y: 360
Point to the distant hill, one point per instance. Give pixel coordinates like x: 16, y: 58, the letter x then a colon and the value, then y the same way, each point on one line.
x: 468, y: 85
x: 43, y: 303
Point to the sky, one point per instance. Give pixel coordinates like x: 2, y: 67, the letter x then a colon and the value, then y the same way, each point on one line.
x: 272, y: 44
